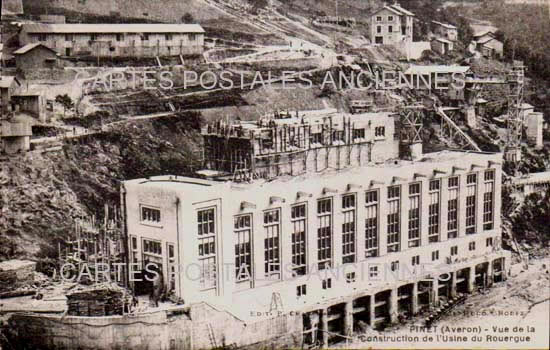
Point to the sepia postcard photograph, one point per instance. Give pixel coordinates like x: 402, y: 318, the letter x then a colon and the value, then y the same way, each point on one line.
x: 274, y: 174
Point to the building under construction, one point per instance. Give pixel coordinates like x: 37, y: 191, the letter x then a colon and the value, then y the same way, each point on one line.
x: 319, y: 228
x: 294, y: 144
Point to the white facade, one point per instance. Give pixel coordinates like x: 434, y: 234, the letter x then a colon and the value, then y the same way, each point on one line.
x: 320, y: 220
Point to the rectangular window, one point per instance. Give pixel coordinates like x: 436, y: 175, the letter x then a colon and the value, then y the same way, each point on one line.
x: 379, y: 29
x: 414, y: 215
x: 394, y: 213
x: 272, y: 228
x: 358, y: 134
x: 317, y: 138
x: 390, y: 29
x: 395, y: 265
x: 119, y: 37
x: 380, y: 132
x: 348, y: 229
x: 68, y: 37
x: 471, y: 198
x: 488, y: 200
x: 152, y: 247
x: 350, y: 277
x: 327, y: 283
x: 207, y: 248
x: 134, y: 249
x: 243, y: 247
x: 93, y: 37
x: 378, y: 18
x: 299, y: 248
x: 149, y: 214
x: 301, y: 290
x: 338, y: 136
x: 42, y: 37
x: 192, y: 37
x: 324, y: 233
x: 433, y: 211
x: 168, y: 37
x: 373, y: 271
x: 472, y: 246
x: 390, y: 18
x: 145, y: 37
x: 171, y: 266
x: 454, y: 250
x: 371, y: 224
x: 452, y: 209
x: 489, y: 242
x: 415, y: 260
x: 435, y: 255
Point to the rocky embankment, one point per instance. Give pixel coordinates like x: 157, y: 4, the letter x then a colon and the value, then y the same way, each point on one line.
x: 41, y: 195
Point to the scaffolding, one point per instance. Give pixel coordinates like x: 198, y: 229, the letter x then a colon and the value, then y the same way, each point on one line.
x: 514, y: 123
x: 288, y: 144
x: 94, y: 243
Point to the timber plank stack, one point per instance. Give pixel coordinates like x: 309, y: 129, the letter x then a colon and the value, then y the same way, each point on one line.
x: 97, y: 300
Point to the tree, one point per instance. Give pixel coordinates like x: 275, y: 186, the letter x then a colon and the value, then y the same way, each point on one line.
x: 187, y: 18
x: 465, y: 32
x: 66, y: 101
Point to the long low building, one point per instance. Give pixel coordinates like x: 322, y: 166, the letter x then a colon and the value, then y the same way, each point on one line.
x: 116, y: 40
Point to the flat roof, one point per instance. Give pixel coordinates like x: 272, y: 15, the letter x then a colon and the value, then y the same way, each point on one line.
x: 315, y: 119
x: 541, y: 177
x: 383, y: 172
x: 68, y: 28
x: 6, y: 81
x: 436, y: 69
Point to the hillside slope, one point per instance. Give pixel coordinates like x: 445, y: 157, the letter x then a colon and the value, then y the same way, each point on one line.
x: 41, y: 195
x: 159, y: 10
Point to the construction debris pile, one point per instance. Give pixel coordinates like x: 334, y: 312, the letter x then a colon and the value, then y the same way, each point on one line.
x: 98, y: 300
x: 16, y: 278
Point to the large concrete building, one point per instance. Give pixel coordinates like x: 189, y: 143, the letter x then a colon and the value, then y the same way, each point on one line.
x: 116, y: 40
x: 391, y: 24
x: 360, y: 242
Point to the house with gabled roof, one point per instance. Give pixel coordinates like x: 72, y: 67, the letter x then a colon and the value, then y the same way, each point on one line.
x: 391, y: 24
x: 488, y: 45
x: 35, y: 56
x: 445, y: 30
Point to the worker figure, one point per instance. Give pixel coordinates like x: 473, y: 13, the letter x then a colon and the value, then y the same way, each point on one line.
x: 158, y: 289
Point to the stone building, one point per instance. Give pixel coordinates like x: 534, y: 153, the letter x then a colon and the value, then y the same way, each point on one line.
x: 8, y: 87
x: 116, y: 40
x: 391, y: 24
x: 445, y: 30
x: 15, y: 135
x: 35, y: 56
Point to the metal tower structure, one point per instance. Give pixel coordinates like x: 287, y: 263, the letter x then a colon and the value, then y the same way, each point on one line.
x: 516, y: 80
